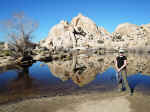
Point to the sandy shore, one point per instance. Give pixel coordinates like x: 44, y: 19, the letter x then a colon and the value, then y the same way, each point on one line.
x: 94, y: 102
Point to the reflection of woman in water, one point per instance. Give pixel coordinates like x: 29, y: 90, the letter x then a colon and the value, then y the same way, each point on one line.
x: 120, y: 64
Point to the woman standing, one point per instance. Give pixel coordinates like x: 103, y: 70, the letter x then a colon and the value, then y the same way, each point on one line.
x: 120, y: 64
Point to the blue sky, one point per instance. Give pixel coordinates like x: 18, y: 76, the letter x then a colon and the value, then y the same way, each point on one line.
x: 106, y: 13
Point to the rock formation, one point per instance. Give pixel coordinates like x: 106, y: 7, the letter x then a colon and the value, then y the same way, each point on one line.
x: 82, y: 32
x: 134, y: 36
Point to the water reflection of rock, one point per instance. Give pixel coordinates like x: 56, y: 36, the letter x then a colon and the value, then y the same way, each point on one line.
x: 138, y: 63
x: 82, y: 69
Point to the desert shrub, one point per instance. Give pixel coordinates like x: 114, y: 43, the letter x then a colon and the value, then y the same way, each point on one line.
x: 6, y: 53
x: 19, y: 33
x: 100, y: 41
x: 1, y: 43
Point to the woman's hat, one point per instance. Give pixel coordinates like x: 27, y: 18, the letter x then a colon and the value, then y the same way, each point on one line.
x: 121, y: 50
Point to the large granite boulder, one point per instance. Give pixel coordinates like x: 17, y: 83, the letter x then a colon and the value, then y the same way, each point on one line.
x: 59, y: 37
x: 7, y: 46
x: 132, y: 36
x: 126, y: 28
x: 85, y: 23
x: 81, y: 32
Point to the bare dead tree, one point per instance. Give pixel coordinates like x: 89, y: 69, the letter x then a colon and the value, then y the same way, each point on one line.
x: 19, y: 30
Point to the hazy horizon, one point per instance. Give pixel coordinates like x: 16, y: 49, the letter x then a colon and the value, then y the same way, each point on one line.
x: 104, y: 13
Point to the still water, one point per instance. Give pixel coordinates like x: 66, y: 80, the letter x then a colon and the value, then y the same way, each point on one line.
x: 82, y: 74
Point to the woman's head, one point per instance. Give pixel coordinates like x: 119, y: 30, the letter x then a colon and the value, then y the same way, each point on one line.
x: 121, y: 51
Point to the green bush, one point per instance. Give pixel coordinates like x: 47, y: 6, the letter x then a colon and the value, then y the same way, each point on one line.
x: 6, y: 53
x: 100, y: 41
x: 1, y: 43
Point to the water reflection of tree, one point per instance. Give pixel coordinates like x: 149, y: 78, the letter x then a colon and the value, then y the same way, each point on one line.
x: 78, y: 67
x: 22, y: 82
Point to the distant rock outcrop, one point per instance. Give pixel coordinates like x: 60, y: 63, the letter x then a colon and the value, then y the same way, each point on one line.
x: 134, y: 36
x: 126, y: 28
x: 4, y: 46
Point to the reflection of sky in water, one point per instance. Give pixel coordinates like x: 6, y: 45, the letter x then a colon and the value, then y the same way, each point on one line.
x: 6, y: 77
x: 139, y: 81
x: 43, y: 76
x: 107, y: 77
x: 41, y: 72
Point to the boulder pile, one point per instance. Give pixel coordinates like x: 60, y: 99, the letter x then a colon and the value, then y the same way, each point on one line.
x: 83, y: 33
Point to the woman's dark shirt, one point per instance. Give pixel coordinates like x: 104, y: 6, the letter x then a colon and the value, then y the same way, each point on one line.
x: 120, y: 61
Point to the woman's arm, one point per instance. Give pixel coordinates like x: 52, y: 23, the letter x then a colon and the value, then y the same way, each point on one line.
x: 116, y: 65
x: 124, y: 65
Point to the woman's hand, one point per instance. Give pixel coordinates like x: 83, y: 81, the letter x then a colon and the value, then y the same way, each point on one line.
x: 118, y: 70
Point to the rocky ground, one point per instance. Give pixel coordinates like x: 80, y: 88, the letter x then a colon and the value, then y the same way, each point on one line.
x: 5, y: 61
x: 93, y: 102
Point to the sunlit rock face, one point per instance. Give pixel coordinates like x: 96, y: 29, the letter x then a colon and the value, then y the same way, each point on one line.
x: 60, y: 36
x: 85, y: 23
x: 80, y: 32
x: 133, y: 36
x: 83, y: 69
x: 126, y: 28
